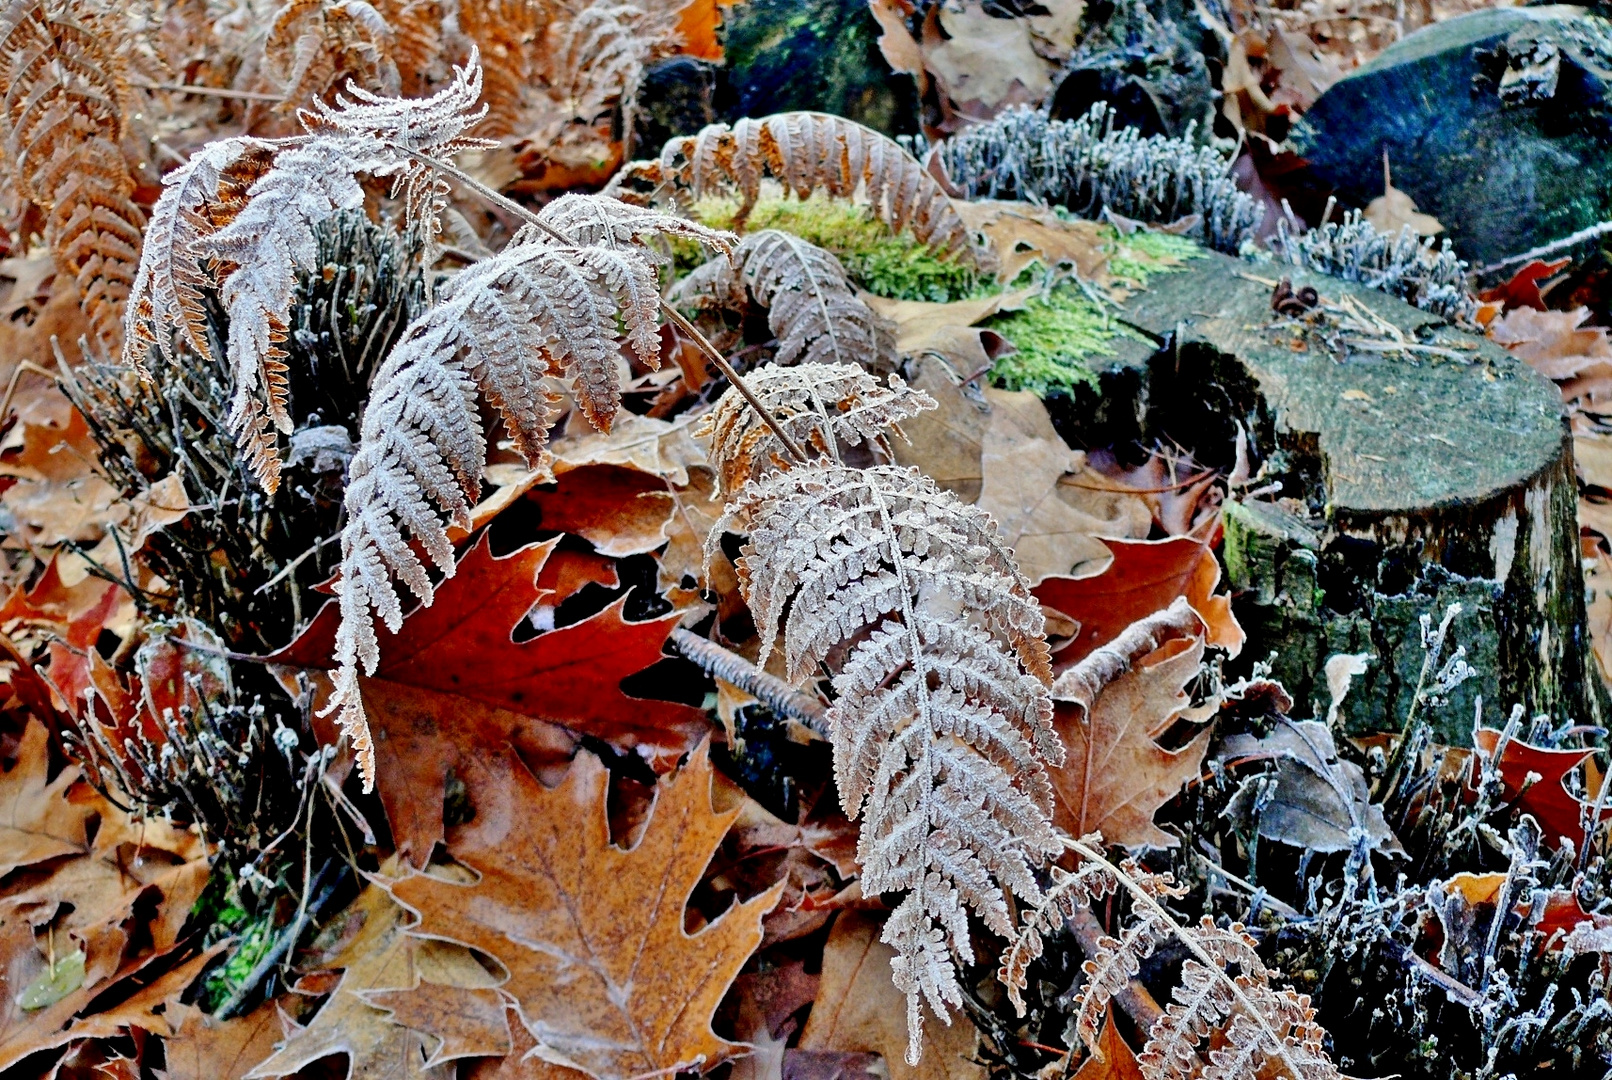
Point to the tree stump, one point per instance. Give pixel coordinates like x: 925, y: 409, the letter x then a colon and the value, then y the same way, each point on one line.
x: 1409, y: 481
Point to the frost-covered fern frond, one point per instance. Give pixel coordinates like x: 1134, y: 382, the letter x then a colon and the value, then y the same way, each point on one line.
x: 805, y: 152
x: 941, y: 725
x: 315, y: 46
x: 1419, y: 269
x: 1218, y: 1025
x: 509, y: 328
x: 62, y: 71
x: 249, y: 245
x: 811, y: 307
x: 821, y: 406
x: 1086, y: 166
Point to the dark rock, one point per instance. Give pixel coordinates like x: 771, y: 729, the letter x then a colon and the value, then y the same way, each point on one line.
x: 820, y: 55
x: 676, y: 96
x: 1498, y: 123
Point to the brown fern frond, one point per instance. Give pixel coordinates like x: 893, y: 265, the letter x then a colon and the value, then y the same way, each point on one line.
x: 822, y: 406
x: 1068, y: 891
x: 239, y: 217
x: 812, y: 309
x: 1241, y: 1022
x: 508, y: 328
x: 315, y: 46
x: 65, y: 98
x: 806, y: 152
x: 418, y: 41
x: 942, y: 723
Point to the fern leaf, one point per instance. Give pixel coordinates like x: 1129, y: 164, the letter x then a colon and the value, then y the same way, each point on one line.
x: 807, y: 152
x: 1117, y: 962
x: 250, y: 244
x: 507, y: 328
x: 812, y: 308
x: 1069, y: 890
x: 941, y: 724
x: 62, y: 69
x: 315, y: 46
x: 820, y: 405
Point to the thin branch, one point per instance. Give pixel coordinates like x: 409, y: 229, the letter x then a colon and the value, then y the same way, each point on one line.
x: 1599, y: 229
x: 210, y: 91
x: 1133, y: 997
x: 675, y: 317
x: 773, y: 692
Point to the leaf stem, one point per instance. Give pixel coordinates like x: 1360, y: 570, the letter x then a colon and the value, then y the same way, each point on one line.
x: 503, y: 202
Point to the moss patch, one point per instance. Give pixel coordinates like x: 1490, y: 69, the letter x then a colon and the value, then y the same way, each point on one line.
x: 1142, y: 254
x: 883, y: 262
x: 1055, y: 336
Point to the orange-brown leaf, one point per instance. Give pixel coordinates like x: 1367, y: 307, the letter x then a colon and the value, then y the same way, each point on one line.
x: 592, y: 935
x: 1116, y: 775
x: 1556, y: 809
x: 1114, y: 1059
x: 1145, y: 576
x: 37, y: 820
x: 453, y: 685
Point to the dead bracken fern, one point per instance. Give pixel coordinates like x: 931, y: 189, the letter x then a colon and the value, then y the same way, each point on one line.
x: 65, y: 99
x: 805, y: 152
x: 821, y: 406
x: 1218, y: 1025
x: 239, y: 218
x: 506, y: 328
x: 941, y: 726
x: 811, y: 307
x: 315, y: 46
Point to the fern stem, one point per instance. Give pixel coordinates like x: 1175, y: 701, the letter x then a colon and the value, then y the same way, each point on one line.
x: 503, y: 202
x: 773, y: 692
x: 1140, y: 896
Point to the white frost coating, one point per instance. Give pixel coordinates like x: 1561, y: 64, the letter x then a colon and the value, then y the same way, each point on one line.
x: 1503, y: 546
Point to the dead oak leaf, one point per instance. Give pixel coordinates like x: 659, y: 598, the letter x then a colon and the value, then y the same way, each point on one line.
x: 605, y: 975
x: 208, y: 1049
x: 454, y: 685
x: 1114, y: 1059
x: 1053, y: 528
x: 1145, y: 577
x: 1115, y: 775
x: 380, y: 956
x: 37, y: 820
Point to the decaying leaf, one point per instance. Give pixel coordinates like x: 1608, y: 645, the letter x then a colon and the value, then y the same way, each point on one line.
x: 1312, y: 800
x: 208, y: 1049
x: 1052, y: 527
x: 1111, y: 709
x: 1394, y: 210
x: 859, y: 1009
x: 605, y: 975
x: 1533, y: 777
x: 454, y: 684
x: 1113, y: 1060
x: 1023, y: 234
x: 37, y: 819
x: 1145, y: 577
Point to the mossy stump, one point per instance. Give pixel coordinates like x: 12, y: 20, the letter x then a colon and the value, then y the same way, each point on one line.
x: 1409, y: 481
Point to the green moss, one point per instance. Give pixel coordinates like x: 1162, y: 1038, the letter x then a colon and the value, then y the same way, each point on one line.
x: 1055, y: 337
x: 885, y: 263
x: 1142, y: 254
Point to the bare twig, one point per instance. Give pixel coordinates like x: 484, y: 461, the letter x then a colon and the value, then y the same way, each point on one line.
x: 773, y: 692
x: 210, y: 91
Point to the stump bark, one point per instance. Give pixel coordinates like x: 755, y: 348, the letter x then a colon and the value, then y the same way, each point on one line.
x: 1410, y: 481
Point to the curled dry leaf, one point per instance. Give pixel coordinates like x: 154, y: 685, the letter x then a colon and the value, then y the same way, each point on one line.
x: 605, y: 975
x: 1146, y: 576
x: 1319, y: 802
x: 1111, y: 709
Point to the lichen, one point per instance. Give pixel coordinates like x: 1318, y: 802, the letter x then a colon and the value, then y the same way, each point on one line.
x: 883, y: 262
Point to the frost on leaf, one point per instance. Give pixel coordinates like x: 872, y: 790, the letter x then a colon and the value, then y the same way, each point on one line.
x: 821, y: 406
x: 812, y: 308
x: 603, y: 972
x: 941, y: 727
x: 514, y: 328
